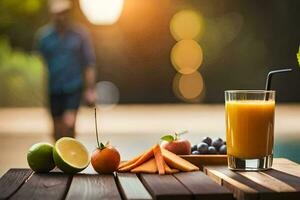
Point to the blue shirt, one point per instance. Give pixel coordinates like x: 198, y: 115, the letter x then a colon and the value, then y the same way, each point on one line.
x: 66, y: 56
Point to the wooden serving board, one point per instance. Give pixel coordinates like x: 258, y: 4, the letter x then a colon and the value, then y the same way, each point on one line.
x: 281, y: 182
x: 202, y: 160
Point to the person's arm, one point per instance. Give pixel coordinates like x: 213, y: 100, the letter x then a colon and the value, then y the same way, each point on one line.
x: 89, y: 77
x: 89, y: 85
x: 89, y: 72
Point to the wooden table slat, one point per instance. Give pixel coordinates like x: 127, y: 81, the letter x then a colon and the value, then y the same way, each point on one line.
x: 290, y: 180
x: 268, y: 181
x: 202, y: 187
x: 52, y: 186
x: 286, y: 166
x: 165, y: 187
x: 131, y: 187
x: 93, y: 186
x: 242, y: 187
x: 293, y: 181
x: 12, y: 180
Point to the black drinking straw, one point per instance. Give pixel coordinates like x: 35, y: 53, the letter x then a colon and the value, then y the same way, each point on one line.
x: 270, y: 75
x: 269, y: 79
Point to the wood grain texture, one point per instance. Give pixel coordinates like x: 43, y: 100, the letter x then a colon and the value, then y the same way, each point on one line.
x: 268, y: 181
x: 12, y: 180
x: 286, y: 166
x: 202, y: 187
x: 93, y: 186
x: 165, y: 187
x: 52, y: 186
x: 292, y: 181
x: 131, y: 187
x: 242, y: 187
x: 283, y: 183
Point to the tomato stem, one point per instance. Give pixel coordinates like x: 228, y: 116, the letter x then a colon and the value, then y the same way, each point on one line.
x: 97, y: 136
x: 177, y: 135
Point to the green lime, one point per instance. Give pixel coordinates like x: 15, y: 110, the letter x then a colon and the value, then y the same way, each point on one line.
x: 40, y: 157
x: 70, y: 155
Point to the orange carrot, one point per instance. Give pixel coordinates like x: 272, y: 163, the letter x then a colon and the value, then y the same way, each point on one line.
x: 159, y: 159
x: 177, y: 162
x: 169, y: 170
x: 147, y: 167
x: 144, y: 157
x: 129, y: 162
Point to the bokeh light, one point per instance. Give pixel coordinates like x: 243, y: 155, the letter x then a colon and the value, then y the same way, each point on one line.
x: 107, y: 95
x: 190, y: 87
x: 186, y: 56
x: 186, y: 24
x: 102, y: 12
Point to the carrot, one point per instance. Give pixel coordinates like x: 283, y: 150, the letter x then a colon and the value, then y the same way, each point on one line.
x: 177, y: 162
x: 169, y: 170
x: 147, y: 167
x: 129, y: 162
x: 144, y: 157
x: 159, y: 159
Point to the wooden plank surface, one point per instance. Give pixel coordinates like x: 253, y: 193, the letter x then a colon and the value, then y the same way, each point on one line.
x: 93, y: 186
x: 165, y: 187
x: 202, y: 187
x: 282, y: 182
x: 242, y: 187
x: 44, y: 186
x: 290, y: 180
x: 268, y: 181
x: 12, y: 180
x: 131, y: 187
x: 287, y: 166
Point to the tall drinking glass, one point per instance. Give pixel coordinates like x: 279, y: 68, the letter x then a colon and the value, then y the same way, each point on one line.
x: 250, y: 129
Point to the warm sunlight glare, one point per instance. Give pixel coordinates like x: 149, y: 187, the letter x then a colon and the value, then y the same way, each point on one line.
x: 188, y: 87
x: 186, y: 56
x: 186, y: 24
x: 102, y: 12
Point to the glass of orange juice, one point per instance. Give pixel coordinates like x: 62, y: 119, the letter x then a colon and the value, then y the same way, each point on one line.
x: 250, y: 129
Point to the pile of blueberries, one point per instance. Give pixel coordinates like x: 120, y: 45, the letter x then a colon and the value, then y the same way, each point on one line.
x: 209, y: 146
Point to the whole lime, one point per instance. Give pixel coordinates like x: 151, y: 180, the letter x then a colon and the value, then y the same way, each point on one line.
x: 40, y: 157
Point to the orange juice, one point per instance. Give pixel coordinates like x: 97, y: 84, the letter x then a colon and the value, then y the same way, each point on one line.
x: 250, y: 128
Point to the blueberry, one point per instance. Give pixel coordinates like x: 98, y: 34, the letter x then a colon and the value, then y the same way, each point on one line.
x: 207, y: 140
x: 217, y: 143
x: 212, y: 150
x: 202, y: 148
x: 223, y: 149
x: 194, y: 147
x: 195, y: 153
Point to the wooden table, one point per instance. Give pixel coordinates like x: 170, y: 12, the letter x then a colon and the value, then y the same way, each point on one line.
x: 282, y: 182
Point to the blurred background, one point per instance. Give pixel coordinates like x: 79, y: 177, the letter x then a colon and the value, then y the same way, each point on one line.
x: 171, y: 59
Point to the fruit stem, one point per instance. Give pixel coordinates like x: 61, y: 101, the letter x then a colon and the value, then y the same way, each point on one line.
x: 97, y: 136
x: 177, y: 135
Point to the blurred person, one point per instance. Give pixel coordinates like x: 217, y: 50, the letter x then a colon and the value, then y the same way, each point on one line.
x: 70, y: 59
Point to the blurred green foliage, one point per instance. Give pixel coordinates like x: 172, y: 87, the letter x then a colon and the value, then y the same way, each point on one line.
x: 298, y: 56
x: 19, y: 20
x: 22, y: 77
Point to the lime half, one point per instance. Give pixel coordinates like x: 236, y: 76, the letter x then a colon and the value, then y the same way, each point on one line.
x: 39, y: 157
x: 70, y: 155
